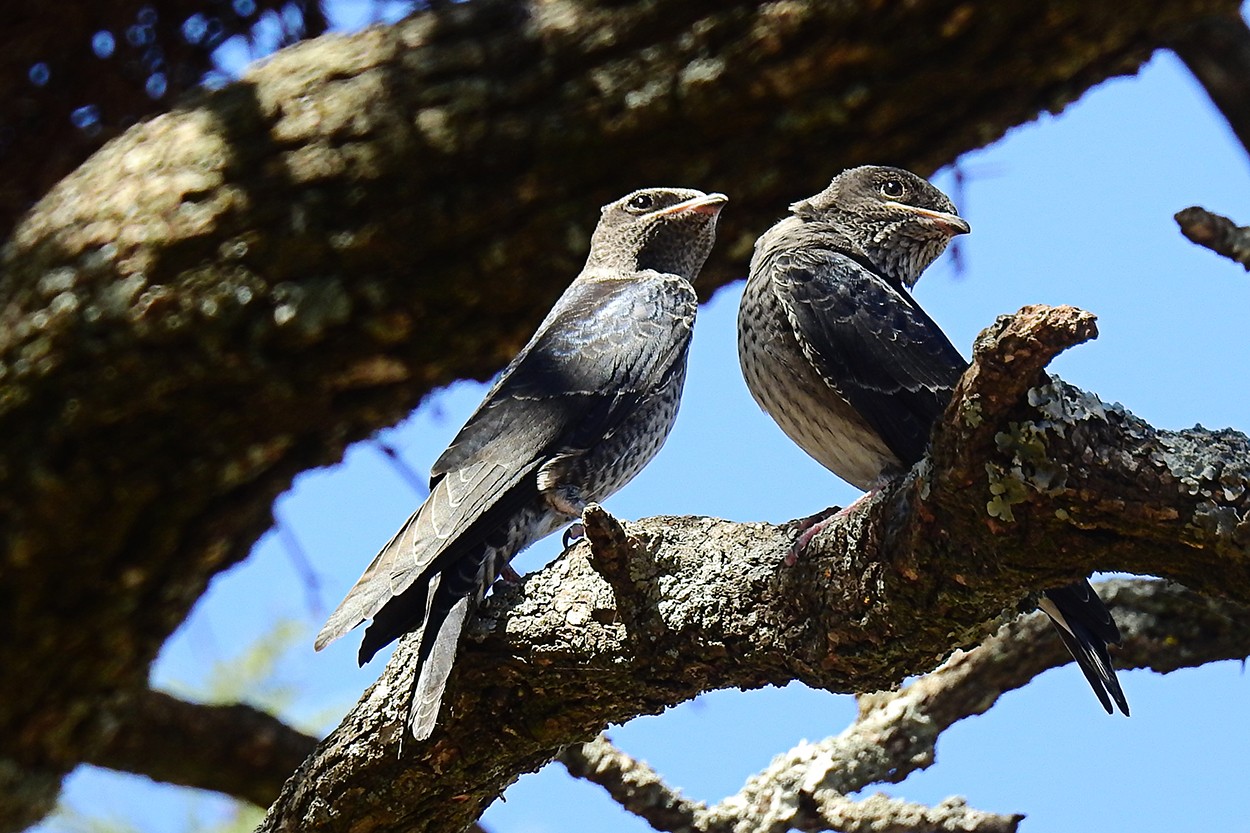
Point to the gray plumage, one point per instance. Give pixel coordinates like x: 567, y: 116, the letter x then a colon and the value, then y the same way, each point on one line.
x: 582, y: 409
x: 835, y: 349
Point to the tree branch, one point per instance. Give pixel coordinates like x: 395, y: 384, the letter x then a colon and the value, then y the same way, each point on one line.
x: 296, y: 242
x: 843, y: 619
x: 1217, y: 233
x: 238, y: 750
x: 882, y: 814
x: 637, y: 787
x: 1164, y: 625
x: 1217, y: 51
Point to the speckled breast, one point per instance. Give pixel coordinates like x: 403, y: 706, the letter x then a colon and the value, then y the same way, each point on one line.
x: 809, y: 411
x: 615, y: 460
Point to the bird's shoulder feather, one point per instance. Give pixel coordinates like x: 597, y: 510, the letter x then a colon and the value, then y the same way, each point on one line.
x: 608, y: 342
x: 868, y: 339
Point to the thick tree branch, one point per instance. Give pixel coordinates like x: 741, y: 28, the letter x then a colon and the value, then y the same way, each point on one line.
x: 1165, y: 627
x: 1217, y: 52
x: 365, y: 218
x: 40, y: 142
x: 1089, y: 485
x: 234, y: 749
x: 1217, y: 233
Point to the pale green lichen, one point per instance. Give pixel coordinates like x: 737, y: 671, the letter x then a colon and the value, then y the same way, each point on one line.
x: 1006, y: 489
x: 1060, y: 408
x: 970, y: 411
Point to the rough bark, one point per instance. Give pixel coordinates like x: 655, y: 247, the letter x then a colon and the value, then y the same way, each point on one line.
x: 1164, y: 626
x: 1217, y: 233
x: 230, y: 293
x: 1067, y: 485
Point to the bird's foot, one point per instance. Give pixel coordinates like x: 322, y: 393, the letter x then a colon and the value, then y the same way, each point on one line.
x: 509, y: 575
x: 813, y: 525
x: 575, y: 532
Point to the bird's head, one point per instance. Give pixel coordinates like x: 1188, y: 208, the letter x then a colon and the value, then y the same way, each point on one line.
x: 897, y: 220
x: 670, y: 230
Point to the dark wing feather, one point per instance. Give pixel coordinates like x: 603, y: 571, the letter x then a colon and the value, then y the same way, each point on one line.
x: 603, y: 348
x: 871, y: 343
x: 472, y: 498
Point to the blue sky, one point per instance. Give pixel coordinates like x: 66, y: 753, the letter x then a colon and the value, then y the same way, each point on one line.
x: 1072, y: 209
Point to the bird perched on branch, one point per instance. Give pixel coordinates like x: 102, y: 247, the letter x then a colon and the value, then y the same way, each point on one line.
x: 835, y: 349
x: 582, y: 408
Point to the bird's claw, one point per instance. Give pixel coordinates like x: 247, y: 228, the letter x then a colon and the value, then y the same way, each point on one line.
x: 575, y: 532
x: 813, y: 525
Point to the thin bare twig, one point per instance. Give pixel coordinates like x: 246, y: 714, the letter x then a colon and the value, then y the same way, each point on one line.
x: 308, y: 578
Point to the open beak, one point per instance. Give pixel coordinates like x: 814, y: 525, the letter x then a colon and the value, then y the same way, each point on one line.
x: 707, y: 204
x: 952, y: 224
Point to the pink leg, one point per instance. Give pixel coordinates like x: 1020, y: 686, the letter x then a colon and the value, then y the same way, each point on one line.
x: 812, y: 526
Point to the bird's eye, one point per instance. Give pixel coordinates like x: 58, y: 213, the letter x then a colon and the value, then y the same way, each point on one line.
x: 641, y: 202
x: 892, y: 188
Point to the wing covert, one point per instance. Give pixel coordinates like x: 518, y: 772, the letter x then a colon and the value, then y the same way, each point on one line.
x: 605, y: 346
x: 871, y: 342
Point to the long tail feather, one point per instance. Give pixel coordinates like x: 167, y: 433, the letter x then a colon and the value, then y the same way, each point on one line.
x: 435, y: 658
x: 1086, y: 627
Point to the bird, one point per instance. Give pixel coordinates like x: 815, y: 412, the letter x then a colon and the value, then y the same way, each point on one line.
x: 836, y: 350
x: 580, y: 410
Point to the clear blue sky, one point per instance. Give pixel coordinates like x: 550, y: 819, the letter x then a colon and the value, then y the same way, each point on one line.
x: 1073, y: 209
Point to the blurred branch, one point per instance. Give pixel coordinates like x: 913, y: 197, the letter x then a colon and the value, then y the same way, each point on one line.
x: 77, y: 73
x: 1217, y: 233
x: 635, y: 786
x: 308, y: 578
x: 233, y: 749
x: 1217, y: 52
x: 409, y: 475
x: 1165, y: 627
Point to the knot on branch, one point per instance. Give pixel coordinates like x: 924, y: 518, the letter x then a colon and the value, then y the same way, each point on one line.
x: 1008, y: 354
x: 1008, y: 359
x: 612, y: 555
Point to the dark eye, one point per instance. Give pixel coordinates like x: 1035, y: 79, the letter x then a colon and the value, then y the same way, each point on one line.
x: 641, y: 202
x: 892, y: 188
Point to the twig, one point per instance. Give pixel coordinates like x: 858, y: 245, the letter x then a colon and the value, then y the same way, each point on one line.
x: 632, y: 784
x: 234, y: 749
x: 404, y: 470
x: 1217, y: 233
x: 308, y: 578
x: 883, y: 814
